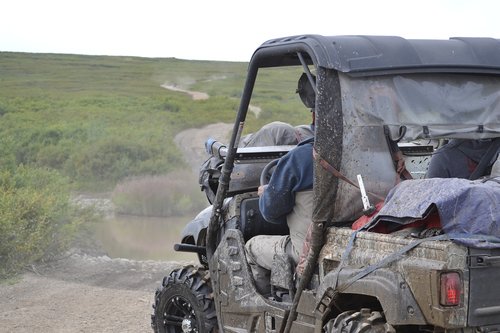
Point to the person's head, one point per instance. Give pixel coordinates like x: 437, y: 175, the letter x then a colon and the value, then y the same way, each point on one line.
x: 307, y: 94
x: 306, y: 91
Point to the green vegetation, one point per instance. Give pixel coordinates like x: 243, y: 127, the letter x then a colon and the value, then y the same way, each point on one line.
x: 101, y: 119
x: 150, y: 195
x: 86, y: 123
x: 98, y: 119
x: 36, y: 219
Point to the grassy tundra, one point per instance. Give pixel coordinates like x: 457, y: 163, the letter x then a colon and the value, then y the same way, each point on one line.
x: 86, y: 123
x: 98, y: 120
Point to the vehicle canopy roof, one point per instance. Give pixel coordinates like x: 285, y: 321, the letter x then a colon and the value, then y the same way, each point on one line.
x: 372, y: 55
x: 435, y: 88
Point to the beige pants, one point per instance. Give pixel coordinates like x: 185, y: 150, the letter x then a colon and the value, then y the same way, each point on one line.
x: 260, y: 250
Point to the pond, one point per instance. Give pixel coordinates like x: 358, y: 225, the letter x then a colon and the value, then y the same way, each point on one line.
x: 143, y: 238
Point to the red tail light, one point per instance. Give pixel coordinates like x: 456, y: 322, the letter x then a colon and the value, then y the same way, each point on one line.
x: 451, y: 288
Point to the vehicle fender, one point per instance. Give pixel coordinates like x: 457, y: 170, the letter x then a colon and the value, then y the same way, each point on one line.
x: 387, y: 286
x: 197, y: 226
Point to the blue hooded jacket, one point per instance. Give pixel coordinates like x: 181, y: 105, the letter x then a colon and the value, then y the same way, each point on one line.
x: 293, y: 173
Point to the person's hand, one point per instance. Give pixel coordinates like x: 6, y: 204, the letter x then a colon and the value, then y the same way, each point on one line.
x: 261, y: 190
x: 400, y: 162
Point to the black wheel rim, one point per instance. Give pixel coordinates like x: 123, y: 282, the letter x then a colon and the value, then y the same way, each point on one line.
x: 179, y: 316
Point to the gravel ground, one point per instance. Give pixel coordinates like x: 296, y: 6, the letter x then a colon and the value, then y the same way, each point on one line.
x: 83, y: 293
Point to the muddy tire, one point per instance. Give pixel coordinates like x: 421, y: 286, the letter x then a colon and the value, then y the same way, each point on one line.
x: 184, y: 303
x: 363, y: 321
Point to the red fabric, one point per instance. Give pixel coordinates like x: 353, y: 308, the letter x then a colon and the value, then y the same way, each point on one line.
x: 365, y: 219
x: 432, y: 221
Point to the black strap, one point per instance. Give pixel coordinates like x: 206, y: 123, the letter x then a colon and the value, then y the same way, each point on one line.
x: 328, y: 167
x: 396, y: 152
x: 384, y: 262
x: 486, y: 160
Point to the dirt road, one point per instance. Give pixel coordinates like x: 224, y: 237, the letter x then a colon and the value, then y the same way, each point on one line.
x: 195, y: 95
x: 84, y: 292
x: 192, y: 142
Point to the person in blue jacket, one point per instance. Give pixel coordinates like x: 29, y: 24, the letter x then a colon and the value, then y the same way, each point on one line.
x: 288, y: 198
x: 294, y: 173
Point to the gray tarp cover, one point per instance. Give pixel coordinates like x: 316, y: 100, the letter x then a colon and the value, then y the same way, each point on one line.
x: 469, y: 210
x: 429, y: 105
x: 446, y: 104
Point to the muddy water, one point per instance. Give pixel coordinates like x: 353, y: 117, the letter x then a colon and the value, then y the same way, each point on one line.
x: 143, y: 238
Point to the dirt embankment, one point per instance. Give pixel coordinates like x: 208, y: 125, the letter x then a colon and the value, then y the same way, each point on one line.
x: 85, y: 291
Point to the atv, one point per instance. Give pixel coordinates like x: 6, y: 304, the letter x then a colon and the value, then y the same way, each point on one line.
x: 392, y: 252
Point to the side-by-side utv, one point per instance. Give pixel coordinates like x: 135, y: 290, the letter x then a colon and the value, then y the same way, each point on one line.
x: 426, y: 260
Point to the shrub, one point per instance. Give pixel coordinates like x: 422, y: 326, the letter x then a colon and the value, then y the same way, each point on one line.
x: 36, y: 218
x: 114, y: 159
x: 173, y: 194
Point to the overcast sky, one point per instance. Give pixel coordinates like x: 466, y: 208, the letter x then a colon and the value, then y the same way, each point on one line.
x: 226, y: 29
